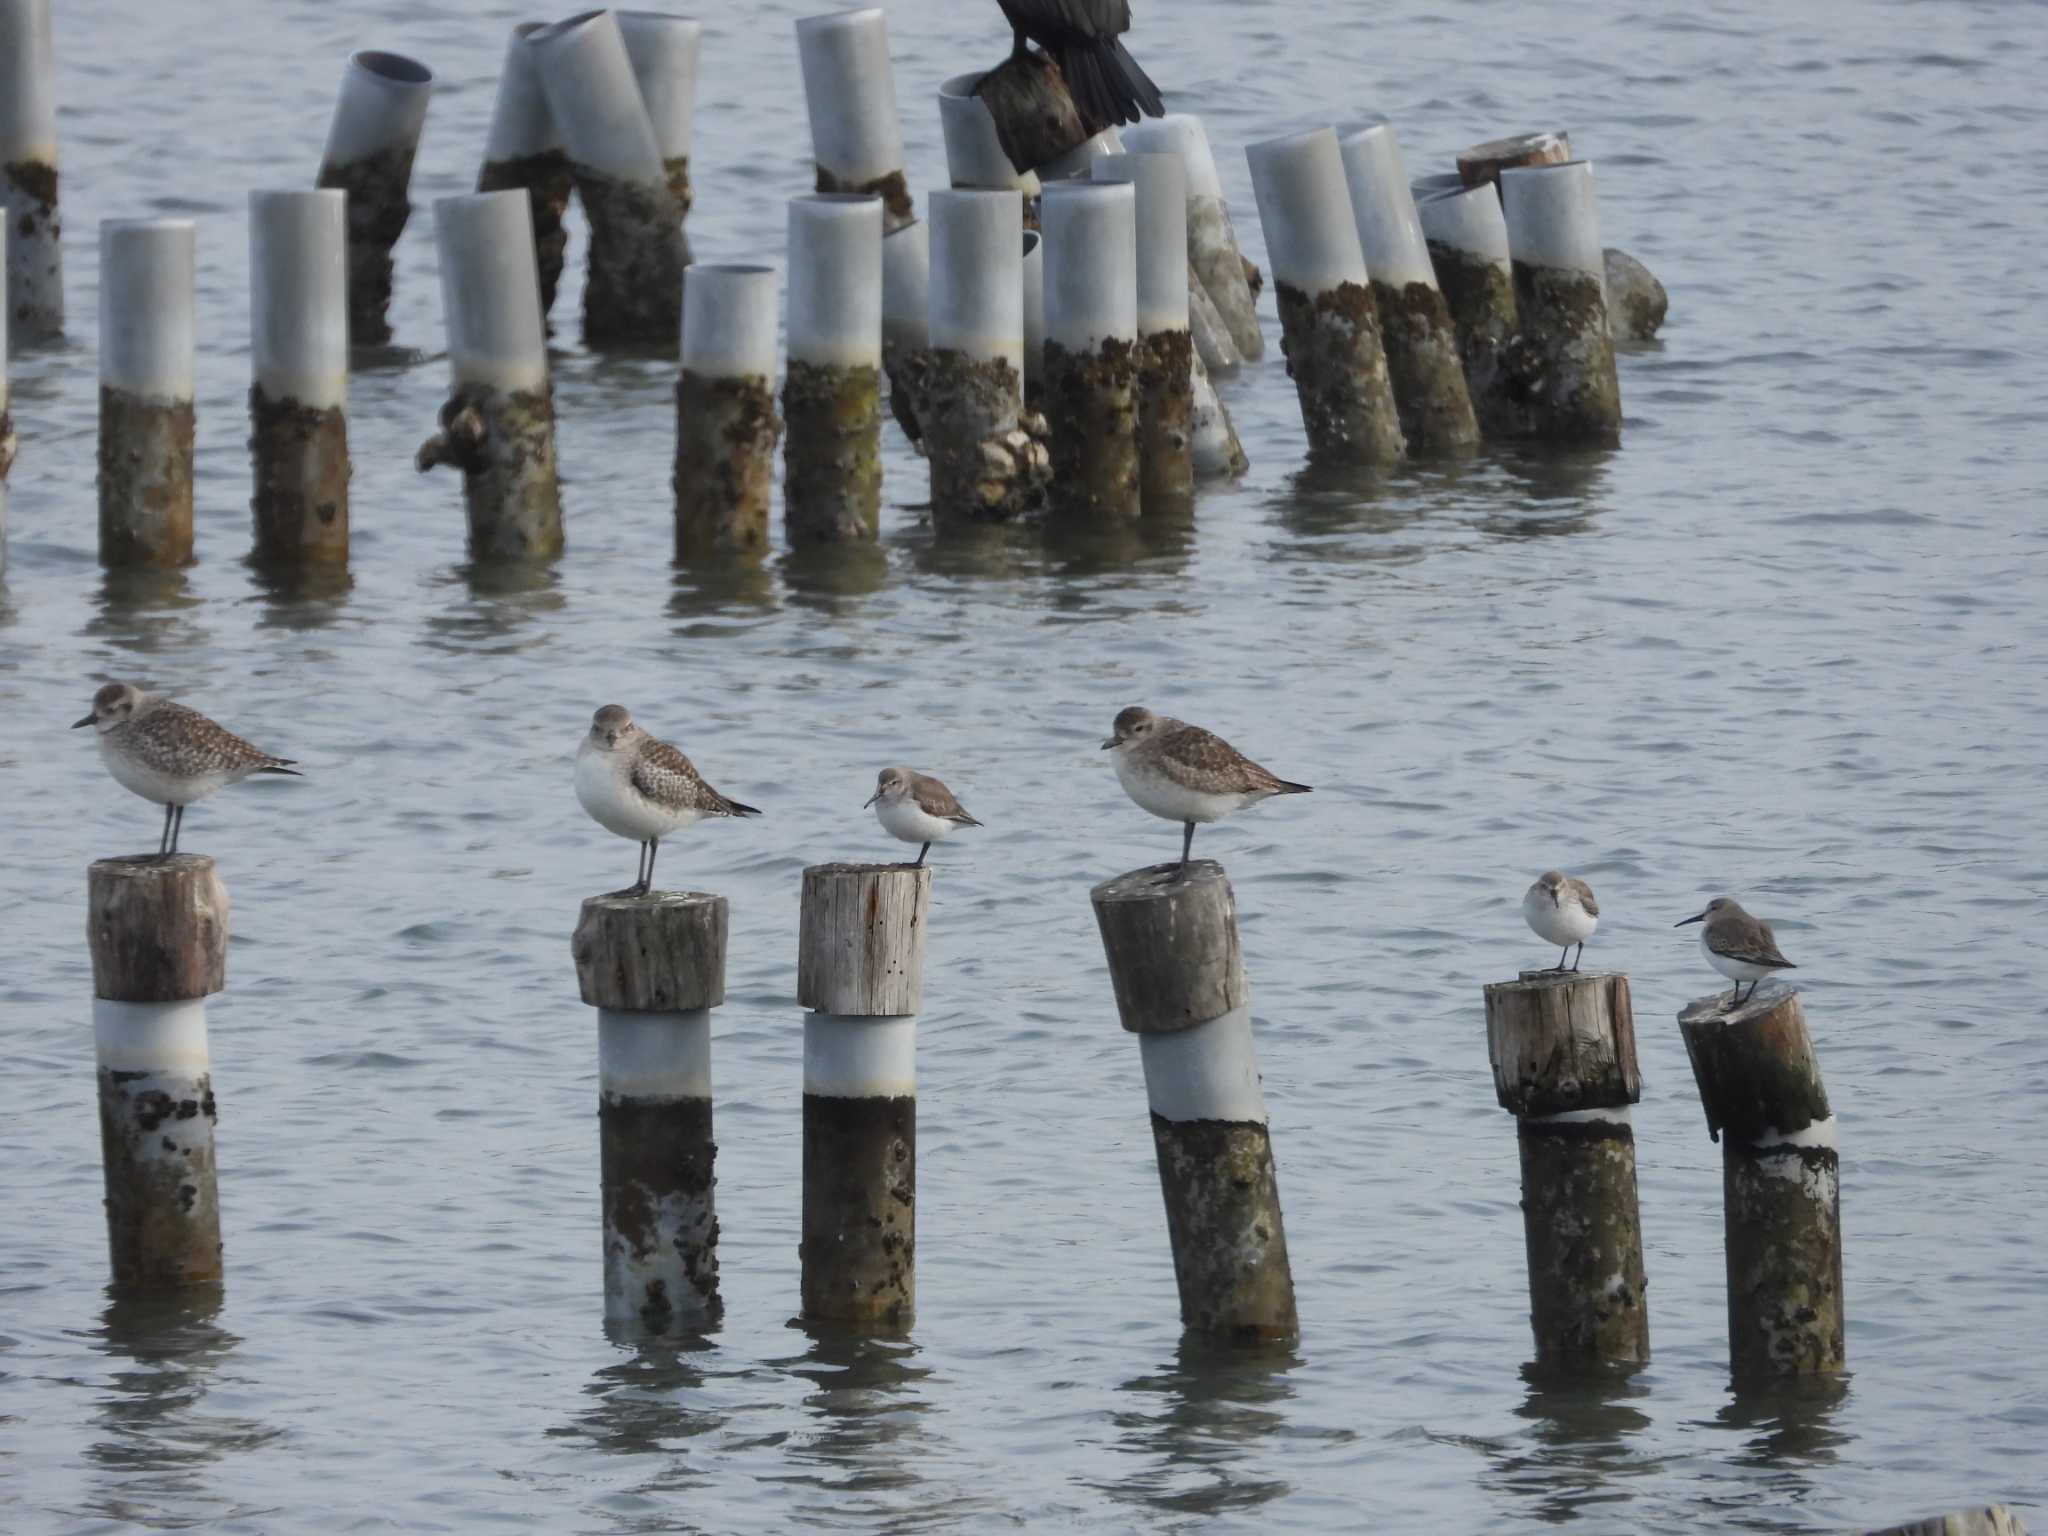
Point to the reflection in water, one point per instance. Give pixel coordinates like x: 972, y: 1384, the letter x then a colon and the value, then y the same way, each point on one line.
x: 1555, y: 488
x: 721, y: 586
x: 1790, y: 1423
x: 818, y: 575
x: 867, y: 1409
x: 156, y: 1441
x: 1578, y: 1442
x: 301, y: 597
x: 1196, y: 1419
x: 504, y: 597
x: 643, y: 1402
x: 146, y: 611
x: 960, y: 547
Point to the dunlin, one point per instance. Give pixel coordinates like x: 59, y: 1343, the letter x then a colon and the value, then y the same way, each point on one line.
x: 168, y: 754
x: 1561, y: 909
x: 917, y: 808
x: 641, y: 788
x: 1183, y: 773
x: 1739, y: 946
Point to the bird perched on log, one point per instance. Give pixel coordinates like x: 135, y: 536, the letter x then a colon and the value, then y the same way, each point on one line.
x: 1082, y: 37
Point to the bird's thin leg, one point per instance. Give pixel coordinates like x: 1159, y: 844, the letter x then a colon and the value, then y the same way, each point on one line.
x: 927, y: 848
x: 177, y: 826
x: 1578, y: 957
x: 163, y: 843
x: 1187, y: 843
x: 1560, y: 958
x: 653, y: 848
x: 1738, y: 994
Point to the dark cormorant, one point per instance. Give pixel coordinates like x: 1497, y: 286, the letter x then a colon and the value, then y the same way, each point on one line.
x: 1081, y: 36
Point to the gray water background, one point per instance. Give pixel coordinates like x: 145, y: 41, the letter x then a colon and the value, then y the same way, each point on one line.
x: 1788, y: 642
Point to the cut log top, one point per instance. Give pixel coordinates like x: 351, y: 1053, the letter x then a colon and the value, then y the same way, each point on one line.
x: 1562, y: 1041
x: 860, y: 945
x: 1174, y: 959
x: 1755, y: 1064
x: 1483, y: 163
x: 158, y: 928
x: 663, y: 952
x: 1991, y: 1520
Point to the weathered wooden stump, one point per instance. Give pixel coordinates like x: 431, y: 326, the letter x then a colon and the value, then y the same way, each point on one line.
x: 158, y: 931
x: 1482, y: 164
x: 1760, y: 1085
x: 1991, y: 1520
x: 654, y: 967
x: 1563, y: 1050
x: 1178, y: 974
x: 860, y: 970
x: 1035, y: 118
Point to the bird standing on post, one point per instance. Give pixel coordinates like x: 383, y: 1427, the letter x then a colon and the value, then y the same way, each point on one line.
x: 1561, y: 908
x: 1183, y: 773
x: 916, y: 808
x: 1082, y: 37
x: 169, y: 754
x: 641, y: 788
x: 1739, y: 946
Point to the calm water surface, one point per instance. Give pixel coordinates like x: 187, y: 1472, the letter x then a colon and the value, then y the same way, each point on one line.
x: 1788, y: 642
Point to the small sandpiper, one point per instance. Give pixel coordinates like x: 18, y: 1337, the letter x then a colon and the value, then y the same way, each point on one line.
x: 170, y: 755
x: 1183, y: 773
x: 917, y: 808
x: 1561, y: 908
x: 1739, y: 946
x: 641, y: 788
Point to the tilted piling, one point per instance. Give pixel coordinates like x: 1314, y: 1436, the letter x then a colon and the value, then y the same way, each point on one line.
x: 664, y: 52
x: 1467, y: 239
x: 371, y: 141
x: 850, y: 95
x: 1561, y: 299
x: 524, y: 152
x: 1213, y: 252
x: 1166, y: 351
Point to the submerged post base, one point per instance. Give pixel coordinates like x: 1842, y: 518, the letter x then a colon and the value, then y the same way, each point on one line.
x: 503, y: 441
x: 724, y: 476
x: 1091, y: 407
x: 633, y: 294
x: 145, y: 481
x: 548, y: 182
x: 1339, y: 368
x: 300, y: 455
x: 832, y: 457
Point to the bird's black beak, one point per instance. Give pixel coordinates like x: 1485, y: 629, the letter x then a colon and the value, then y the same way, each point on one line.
x: 80, y: 724
x: 871, y: 799
x: 1108, y: 744
x: 1697, y: 917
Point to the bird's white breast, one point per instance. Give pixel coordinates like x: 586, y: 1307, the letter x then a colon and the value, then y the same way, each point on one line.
x: 604, y: 788
x: 136, y: 776
x: 1561, y: 925
x: 1156, y: 793
x: 908, y: 820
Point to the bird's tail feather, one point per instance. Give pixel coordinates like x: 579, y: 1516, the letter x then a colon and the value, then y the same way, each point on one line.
x: 1107, y: 85
x: 1289, y: 787
x: 1142, y: 92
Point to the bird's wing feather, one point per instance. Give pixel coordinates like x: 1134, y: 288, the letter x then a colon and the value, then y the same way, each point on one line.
x: 1585, y: 895
x: 177, y: 729
x: 663, y: 774
x: 934, y: 799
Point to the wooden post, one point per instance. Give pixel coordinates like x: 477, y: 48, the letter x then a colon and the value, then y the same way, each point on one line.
x: 158, y: 931
x: 1180, y: 988
x: 1987, y: 1520
x: 1563, y: 1049
x: 1481, y: 165
x: 653, y: 967
x: 1781, y: 1182
x: 860, y: 970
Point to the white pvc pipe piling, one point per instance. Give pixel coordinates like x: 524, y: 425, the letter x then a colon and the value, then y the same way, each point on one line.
x: 1213, y: 250
x: 382, y: 106
x: 1467, y: 240
x: 664, y: 52
x: 835, y: 280
x: 490, y: 292
x: 906, y: 286
x: 1561, y: 296
x: 1091, y: 264
x: 1091, y: 337
x: 1467, y: 220
x: 146, y: 286
x: 1216, y: 449
x: 1075, y: 163
x: 1032, y: 276
x: 591, y: 90
x: 654, y: 1055
x: 977, y: 285
x: 1325, y: 299
x: 850, y: 94
x: 1383, y: 208
x: 974, y: 155
x: 1207, y: 1072
x: 860, y: 1056
x: 1552, y: 218
x: 1213, y: 344
x: 729, y: 321
x: 1435, y: 184
x: 32, y: 278
x: 298, y: 310
x: 1161, y: 211
x: 524, y: 149
x: 521, y: 124
x: 371, y: 141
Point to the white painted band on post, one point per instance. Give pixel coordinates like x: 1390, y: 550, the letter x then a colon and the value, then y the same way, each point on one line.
x: 1305, y: 209
x: 850, y: 91
x: 1032, y: 277
x: 654, y: 1055
x: 28, y: 75
x: 974, y: 155
x: 490, y: 290
x: 1208, y: 1072
x: 1819, y: 1134
x: 1075, y: 162
x: 664, y: 51
x: 1388, y: 229
x: 1617, y: 1115
x: 1161, y: 187
x: 1468, y: 220
x: 1552, y: 217
x: 1179, y: 133
x: 835, y: 280
x: 298, y: 296
x: 150, y: 1037
x: 860, y: 1057
x: 382, y: 105
x: 1091, y: 263
x: 521, y: 123
x: 595, y: 99
x: 906, y: 285
x: 977, y: 275
x: 146, y: 307
x: 729, y: 315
